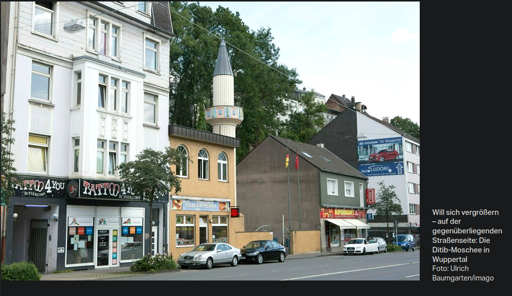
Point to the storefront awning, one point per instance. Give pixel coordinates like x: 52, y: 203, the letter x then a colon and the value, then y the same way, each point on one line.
x: 358, y: 223
x: 342, y: 223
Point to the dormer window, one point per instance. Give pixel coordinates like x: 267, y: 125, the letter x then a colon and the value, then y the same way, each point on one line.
x: 143, y: 6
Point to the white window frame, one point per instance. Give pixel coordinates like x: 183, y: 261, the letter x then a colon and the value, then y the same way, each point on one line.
x: 44, y: 147
x: 410, y: 187
x: 102, y: 150
x: 106, y: 91
x: 362, y: 196
x: 410, y: 167
x: 179, y: 168
x: 186, y: 223
x: 222, y: 166
x: 76, y: 154
x: 349, y: 189
x: 155, y: 104
x: 203, y: 172
x: 124, y: 153
x: 148, y: 7
x: 49, y: 76
x: 55, y: 20
x: 412, y: 209
x: 418, y: 169
x: 78, y: 89
x: 220, y: 221
x: 408, y: 147
x: 112, y: 171
x: 125, y: 97
x: 157, y: 54
x: 95, y: 49
x: 113, y: 95
x: 333, y: 188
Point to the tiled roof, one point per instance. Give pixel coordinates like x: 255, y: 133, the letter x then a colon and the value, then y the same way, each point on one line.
x: 319, y: 157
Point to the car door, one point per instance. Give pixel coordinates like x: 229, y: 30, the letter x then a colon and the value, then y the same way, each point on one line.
x: 268, y: 254
x: 222, y: 254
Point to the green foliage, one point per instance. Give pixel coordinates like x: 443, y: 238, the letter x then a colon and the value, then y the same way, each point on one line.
x: 260, y: 81
x: 158, y: 262
x: 7, y: 161
x: 150, y: 175
x: 303, y: 125
x: 20, y: 271
x: 393, y: 248
x: 406, y: 125
x: 386, y: 203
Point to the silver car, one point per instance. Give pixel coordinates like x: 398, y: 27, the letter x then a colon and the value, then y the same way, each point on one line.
x: 209, y: 254
x: 381, y: 243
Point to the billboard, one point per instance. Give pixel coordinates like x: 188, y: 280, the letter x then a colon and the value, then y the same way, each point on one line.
x: 381, y: 157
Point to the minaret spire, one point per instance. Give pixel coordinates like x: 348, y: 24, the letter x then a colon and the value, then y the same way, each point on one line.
x: 224, y: 116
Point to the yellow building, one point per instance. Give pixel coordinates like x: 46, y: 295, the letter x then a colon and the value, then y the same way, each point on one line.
x: 200, y: 212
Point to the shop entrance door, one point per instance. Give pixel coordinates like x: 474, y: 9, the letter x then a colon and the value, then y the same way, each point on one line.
x: 106, y: 247
x: 203, y: 229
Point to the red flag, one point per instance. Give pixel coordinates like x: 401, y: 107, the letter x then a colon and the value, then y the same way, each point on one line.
x: 297, y: 161
x: 287, y: 159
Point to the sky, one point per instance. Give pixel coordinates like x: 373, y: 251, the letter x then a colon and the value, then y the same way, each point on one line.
x: 368, y: 50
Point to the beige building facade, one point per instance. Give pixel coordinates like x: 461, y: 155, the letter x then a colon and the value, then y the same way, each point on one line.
x: 200, y: 212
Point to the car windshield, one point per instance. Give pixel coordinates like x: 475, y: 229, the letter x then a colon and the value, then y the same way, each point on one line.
x: 355, y: 241
x: 402, y: 238
x: 382, y: 151
x: 255, y: 245
x: 372, y: 240
x: 203, y: 248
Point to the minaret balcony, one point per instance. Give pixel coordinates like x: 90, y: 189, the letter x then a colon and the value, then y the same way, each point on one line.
x: 232, y: 114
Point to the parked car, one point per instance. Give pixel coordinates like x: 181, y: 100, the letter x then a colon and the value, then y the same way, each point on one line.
x: 263, y: 250
x: 360, y: 246
x: 381, y: 243
x: 209, y: 254
x: 384, y: 154
x: 406, y: 241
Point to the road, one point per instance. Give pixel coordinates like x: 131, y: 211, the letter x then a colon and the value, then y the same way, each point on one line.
x: 384, y: 266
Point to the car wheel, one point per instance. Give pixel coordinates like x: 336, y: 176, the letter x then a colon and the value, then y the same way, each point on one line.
x: 364, y: 251
x: 281, y: 257
x: 407, y: 249
x: 260, y: 259
x: 381, y: 159
x: 209, y: 263
x: 234, y: 261
x: 414, y: 248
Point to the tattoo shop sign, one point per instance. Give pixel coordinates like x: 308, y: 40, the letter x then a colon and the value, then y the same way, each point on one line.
x: 40, y: 187
x: 98, y: 189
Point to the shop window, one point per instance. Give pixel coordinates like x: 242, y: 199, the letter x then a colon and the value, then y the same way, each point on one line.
x: 80, y: 242
x: 220, y: 229
x: 132, y: 240
x: 185, y: 230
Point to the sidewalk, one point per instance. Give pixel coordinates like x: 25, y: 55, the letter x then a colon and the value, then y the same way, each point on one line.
x: 124, y: 271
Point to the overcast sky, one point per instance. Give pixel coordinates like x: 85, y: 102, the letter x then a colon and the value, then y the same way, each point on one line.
x: 369, y: 50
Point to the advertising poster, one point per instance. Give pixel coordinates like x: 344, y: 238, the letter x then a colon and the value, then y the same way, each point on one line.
x: 381, y: 157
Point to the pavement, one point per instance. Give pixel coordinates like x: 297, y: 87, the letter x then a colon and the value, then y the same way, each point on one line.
x: 124, y: 271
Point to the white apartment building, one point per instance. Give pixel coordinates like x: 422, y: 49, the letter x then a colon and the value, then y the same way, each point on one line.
x: 88, y: 87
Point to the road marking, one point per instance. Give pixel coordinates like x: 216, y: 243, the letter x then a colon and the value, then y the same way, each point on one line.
x: 414, y: 275
x: 347, y: 271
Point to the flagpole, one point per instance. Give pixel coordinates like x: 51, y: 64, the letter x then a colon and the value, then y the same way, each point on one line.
x: 289, y: 220
x: 298, y: 183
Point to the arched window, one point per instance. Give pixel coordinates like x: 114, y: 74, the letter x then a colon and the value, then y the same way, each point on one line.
x: 222, y: 165
x: 203, y: 169
x: 182, y: 166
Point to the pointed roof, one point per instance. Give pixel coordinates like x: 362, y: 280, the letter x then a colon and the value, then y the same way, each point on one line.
x: 222, y: 67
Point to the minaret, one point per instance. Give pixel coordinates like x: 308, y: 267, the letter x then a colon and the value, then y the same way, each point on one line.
x: 224, y: 116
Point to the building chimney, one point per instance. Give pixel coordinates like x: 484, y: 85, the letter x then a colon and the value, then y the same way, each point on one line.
x: 385, y: 119
x: 321, y: 145
x: 352, y: 99
x: 303, y: 88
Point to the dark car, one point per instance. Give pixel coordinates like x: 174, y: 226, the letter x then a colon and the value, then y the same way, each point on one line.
x: 263, y: 250
x: 406, y: 241
x: 384, y: 154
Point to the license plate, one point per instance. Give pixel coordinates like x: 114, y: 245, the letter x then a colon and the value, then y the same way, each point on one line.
x: 187, y: 261
x: 243, y: 257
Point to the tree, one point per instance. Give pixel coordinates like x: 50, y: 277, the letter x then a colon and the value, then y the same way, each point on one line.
x: 303, y: 125
x: 150, y: 176
x: 387, y: 203
x: 406, y: 125
x: 8, y: 169
x: 260, y: 81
